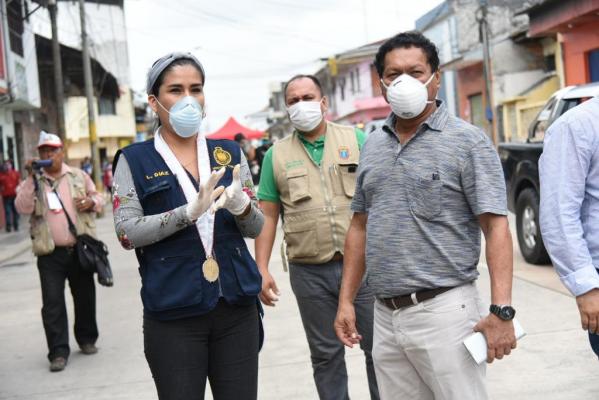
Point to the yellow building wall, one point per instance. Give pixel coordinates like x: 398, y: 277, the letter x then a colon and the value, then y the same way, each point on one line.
x: 123, y: 123
x: 519, y: 112
x: 81, y: 149
x: 114, y: 131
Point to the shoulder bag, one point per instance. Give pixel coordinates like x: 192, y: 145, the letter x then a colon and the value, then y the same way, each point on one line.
x: 91, y: 252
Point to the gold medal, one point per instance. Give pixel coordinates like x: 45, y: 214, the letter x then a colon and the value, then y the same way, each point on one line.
x: 210, y: 269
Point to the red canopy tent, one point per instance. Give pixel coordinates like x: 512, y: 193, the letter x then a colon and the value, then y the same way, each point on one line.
x: 231, y: 128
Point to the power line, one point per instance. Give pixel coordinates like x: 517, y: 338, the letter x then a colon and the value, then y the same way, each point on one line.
x: 261, y: 28
x: 295, y: 6
x: 261, y: 73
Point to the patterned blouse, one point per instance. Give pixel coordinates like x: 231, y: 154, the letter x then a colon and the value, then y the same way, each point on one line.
x: 134, y: 229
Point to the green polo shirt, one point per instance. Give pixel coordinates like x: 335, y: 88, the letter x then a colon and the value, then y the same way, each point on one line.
x: 267, y: 190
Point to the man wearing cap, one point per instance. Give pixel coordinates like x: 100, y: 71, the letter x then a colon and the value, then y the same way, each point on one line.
x: 47, y: 194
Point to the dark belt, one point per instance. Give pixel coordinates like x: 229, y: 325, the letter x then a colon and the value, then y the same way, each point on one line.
x: 395, y: 303
x: 68, y: 249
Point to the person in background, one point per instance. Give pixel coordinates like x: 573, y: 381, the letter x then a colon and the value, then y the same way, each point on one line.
x: 250, y: 154
x: 48, y: 194
x: 260, y: 153
x: 569, y: 210
x: 199, y: 282
x: 9, y: 180
x: 107, y: 177
x: 309, y: 178
x: 246, y: 146
x: 86, y: 166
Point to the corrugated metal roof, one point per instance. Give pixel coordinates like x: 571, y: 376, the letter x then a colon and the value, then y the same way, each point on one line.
x: 432, y: 16
x: 119, y: 3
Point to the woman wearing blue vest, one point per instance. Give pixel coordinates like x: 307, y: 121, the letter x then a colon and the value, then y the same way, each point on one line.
x: 199, y: 282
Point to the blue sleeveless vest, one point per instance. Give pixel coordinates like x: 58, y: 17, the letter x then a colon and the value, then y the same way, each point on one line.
x: 173, y: 285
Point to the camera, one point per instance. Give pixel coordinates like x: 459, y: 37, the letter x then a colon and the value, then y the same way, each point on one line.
x: 39, y: 164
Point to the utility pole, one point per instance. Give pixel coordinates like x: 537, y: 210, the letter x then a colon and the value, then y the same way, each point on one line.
x: 484, y: 34
x: 58, y: 82
x: 365, y: 17
x: 89, y: 93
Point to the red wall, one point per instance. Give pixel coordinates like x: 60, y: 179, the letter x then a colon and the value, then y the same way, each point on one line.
x: 577, y: 42
x: 470, y: 82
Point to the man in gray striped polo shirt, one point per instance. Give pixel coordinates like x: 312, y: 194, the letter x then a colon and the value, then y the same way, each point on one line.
x: 427, y: 184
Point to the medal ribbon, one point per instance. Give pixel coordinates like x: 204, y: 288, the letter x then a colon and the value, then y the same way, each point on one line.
x: 205, y: 223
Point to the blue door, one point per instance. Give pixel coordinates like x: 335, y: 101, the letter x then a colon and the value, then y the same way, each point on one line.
x: 594, y: 65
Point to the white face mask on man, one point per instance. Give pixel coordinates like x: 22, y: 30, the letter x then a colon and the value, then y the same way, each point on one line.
x: 407, y: 96
x: 305, y: 115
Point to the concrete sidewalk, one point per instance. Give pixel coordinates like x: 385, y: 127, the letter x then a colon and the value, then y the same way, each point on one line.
x: 553, y: 362
x: 12, y: 244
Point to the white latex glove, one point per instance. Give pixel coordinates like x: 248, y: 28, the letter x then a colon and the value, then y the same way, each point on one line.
x: 206, y: 196
x: 234, y: 198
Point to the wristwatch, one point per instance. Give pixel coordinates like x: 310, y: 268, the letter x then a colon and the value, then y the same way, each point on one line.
x: 506, y: 313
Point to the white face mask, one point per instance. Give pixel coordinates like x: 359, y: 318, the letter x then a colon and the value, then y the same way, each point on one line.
x: 407, y: 96
x: 305, y: 115
x: 185, y: 116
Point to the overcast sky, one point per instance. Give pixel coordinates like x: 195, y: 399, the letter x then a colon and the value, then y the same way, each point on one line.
x: 245, y: 45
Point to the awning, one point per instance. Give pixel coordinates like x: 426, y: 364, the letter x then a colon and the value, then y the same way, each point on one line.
x: 104, y: 83
x: 232, y: 128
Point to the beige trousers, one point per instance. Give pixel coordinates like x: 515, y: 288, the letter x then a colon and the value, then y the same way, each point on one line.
x: 418, y: 351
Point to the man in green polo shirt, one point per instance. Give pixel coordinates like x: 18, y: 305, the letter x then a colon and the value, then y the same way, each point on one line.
x: 310, y: 176
x: 268, y: 187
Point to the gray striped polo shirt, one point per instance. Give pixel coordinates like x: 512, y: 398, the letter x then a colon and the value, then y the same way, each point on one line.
x: 422, y: 201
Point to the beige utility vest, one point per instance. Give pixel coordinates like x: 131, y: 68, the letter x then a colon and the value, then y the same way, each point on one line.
x: 316, y: 199
x: 42, y: 242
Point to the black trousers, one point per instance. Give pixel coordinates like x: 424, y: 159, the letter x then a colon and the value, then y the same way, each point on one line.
x: 54, y: 270
x: 221, y: 345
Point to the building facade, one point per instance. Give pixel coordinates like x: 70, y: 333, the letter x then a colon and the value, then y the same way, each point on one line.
x: 439, y: 26
x: 521, y: 69
x: 113, y: 99
x: 352, y: 86
x: 19, y: 85
x: 574, y: 27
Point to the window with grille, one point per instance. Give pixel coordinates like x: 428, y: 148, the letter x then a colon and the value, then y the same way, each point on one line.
x: 106, y: 106
x: 14, y: 10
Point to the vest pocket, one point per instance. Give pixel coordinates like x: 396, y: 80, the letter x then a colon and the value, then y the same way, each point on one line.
x: 347, y: 173
x: 78, y: 186
x: 424, y: 196
x: 155, y: 197
x: 171, y: 282
x: 301, y: 239
x: 42, y: 242
x: 246, y: 271
x: 299, y: 184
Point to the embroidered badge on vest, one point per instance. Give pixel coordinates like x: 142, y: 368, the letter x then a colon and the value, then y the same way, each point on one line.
x: 344, y: 152
x: 293, y: 164
x: 222, y: 157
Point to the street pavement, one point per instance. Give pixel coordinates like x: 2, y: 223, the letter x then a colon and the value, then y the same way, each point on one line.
x: 14, y: 243
x: 553, y: 362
